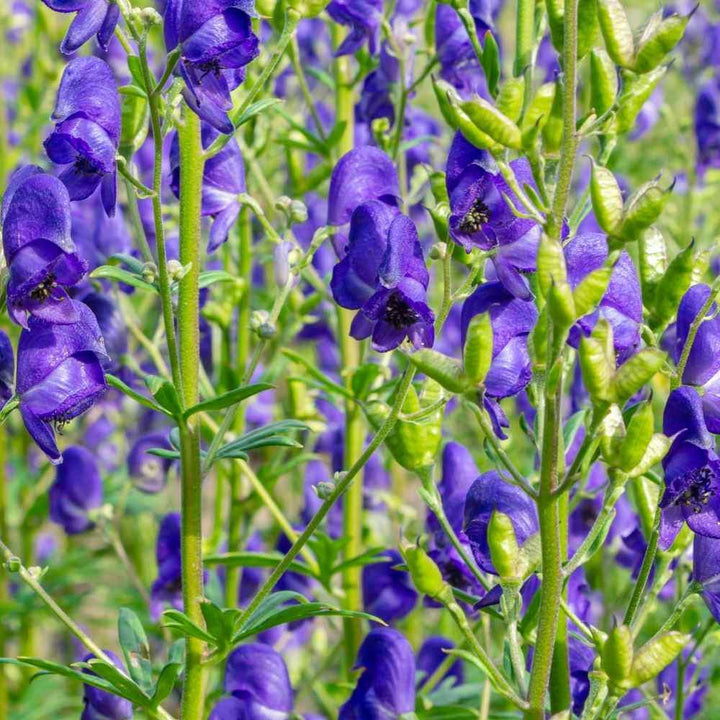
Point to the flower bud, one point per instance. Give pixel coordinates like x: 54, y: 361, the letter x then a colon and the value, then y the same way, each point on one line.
x: 307, y: 8
x: 636, y: 89
x: 425, y: 574
x: 603, y: 81
x: 510, y: 99
x: 176, y: 271
x: 657, y: 43
x: 616, y: 31
x: 13, y: 564
x: 281, y: 264
x: 655, y: 656
x: 477, y: 353
x: 443, y: 369
x: 607, y: 200
x: 643, y: 209
x: 324, y: 489
x: 672, y: 286
x: 639, y: 433
x: 267, y: 331
x: 504, y: 550
x: 636, y: 372
x: 149, y: 272
x: 149, y: 16
x: 490, y: 121
x: 617, y: 654
x: 258, y: 318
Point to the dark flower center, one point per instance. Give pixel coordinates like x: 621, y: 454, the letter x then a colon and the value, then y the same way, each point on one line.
x: 209, y: 67
x: 85, y: 165
x: 59, y: 423
x: 475, y: 218
x: 43, y: 290
x: 699, y: 489
x: 398, y: 313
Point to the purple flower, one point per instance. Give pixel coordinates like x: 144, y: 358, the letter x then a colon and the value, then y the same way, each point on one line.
x: 621, y: 305
x: 76, y: 491
x: 489, y: 494
x: 258, y: 680
x: 512, y: 320
x: 167, y: 588
x: 376, y: 100
x: 386, y: 689
x: 692, y: 470
x: 102, y: 705
x: 388, y: 593
x: 7, y: 369
x: 481, y: 217
x: 60, y: 374
x: 38, y: 248
x: 87, y: 130
x: 363, y: 18
x: 432, y: 654
x: 149, y: 472
x: 383, y: 275
x: 94, y: 17
x: 223, y: 181
x: 706, y: 570
x: 703, y: 362
x: 581, y: 659
x: 365, y: 173
x: 217, y: 43
x: 707, y: 125
x: 112, y: 326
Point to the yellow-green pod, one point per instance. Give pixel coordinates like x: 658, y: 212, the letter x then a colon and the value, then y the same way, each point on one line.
x: 590, y: 290
x: 443, y: 92
x: 636, y: 372
x: 556, y: 15
x: 597, y: 362
x: 612, y: 434
x: 673, y: 285
x: 607, y: 200
x: 636, y: 89
x: 561, y: 305
x: 539, y: 108
x: 471, y: 132
x: 490, y: 121
x: 639, y: 433
x: 538, y: 340
x: 617, y: 654
x: 643, y: 209
x: 503, y: 545
x: 552, y: 132
x: 550, y: 264
x: 478, y: 349
x: 588, y: 26
x: 653, y: 657
x: 617, y: 32
x: 661, y: 41
x: 443, y: 369
x: 510, y: 98
x: 652, y: 252
x: 603, y: 81
x: 425, y: 574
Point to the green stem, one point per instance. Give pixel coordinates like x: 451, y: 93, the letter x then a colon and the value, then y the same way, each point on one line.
x: 469, y: 22
x: 4, y: 589
x: 191, y: 177
x: 304, y: 88
x: 645, y: 568
x: 341, y: 487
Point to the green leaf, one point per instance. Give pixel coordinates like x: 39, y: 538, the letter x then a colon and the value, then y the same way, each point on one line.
x: 134, y: 265
x: 177, y: 620
x: 332, y: 387
x: 122, y: 684
x: 135, y: 68
x: 164, y: 392
x: 256, y: 108
x: 210, y: 277
x: 166, y: 682
x: 111, y: 272
x: 369, y: 557
x: 255, y: 559
x: 227, y: 399
x: 164, y: 453
x: 117, y: 383
x: 491, y: 62
x: 219, y: 623
x: 266, y: 436
x: 135, y: 647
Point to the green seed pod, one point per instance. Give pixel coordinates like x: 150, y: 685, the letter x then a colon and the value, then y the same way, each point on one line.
x: 504, y: 550
x: 603, y: 81
x: 617, y: 654
x: 539, y: 108
x: 607, y: 200
x: 636, y: 89
x: 425, y: 574
x: 636, y: 372
x: 659, y: 43
x: 477, y: 353
x: 443, y: 369
x: 653, y: 657
x: 612, y: 435
x: 639, y: 433
x: 134, y: 124
x: 538, y: 340
x: 617, y: 32
x: 550, y: 264
x: 307, y: 8
x: 438, y: 187
x: 556, y: 14
x: 490, y: 121
x: 552, y: 132
x: 440, y: 215
x: 597, y: 362
x: 588, y: 26
x: 591, y: 289
x: 561, y: 305
x: 471, y: 132
x: 652, y: 253
x: 656, y: 450
x: 643, y: 209
x: 443, y: 92
x: 510, y: 98
x: 672, y: 286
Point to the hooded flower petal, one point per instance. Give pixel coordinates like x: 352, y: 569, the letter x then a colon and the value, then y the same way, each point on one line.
x: 363, y: 18
x: 706, y: 570
x: 94, y: 17
x: 433, y: 654
x: 149, y: 472
x: 167, y: 588
x: 77, y: 490
x: 102, y: 705
x: 7, y: 369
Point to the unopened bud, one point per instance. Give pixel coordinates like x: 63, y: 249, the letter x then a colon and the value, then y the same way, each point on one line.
x: 504, y: 550
x: 149, y: 272
x: 13, y: 565
x: 655, y: 656
x: 617, y: 654
x: 150, y: 16
x: 281, y: 264
x: 478, y: 349
x: 324, y: 489
x: 425, y: 574
x: 258, y: 318
x: 267, y: 331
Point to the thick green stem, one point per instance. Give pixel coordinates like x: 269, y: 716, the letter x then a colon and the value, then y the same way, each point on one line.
x: 191, y: 176
x: 4, y: 590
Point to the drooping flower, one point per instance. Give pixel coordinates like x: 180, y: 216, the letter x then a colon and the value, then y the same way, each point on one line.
x: 167, y: 588
x: 481, y: 216
x: 257, y: 678
x: 149, y: 472
x: 38, y: 248
x: 102, y: 705
x: 60, y: 374
x: 76, y: 491
x: 432, y: 655
x: 621, y: 305
x: 223, y: 181
x: 112, y: 326
x: 94, y: 17
x: 488, y: 494
x: 706, y: 570
x: 512, y: 320
x: 87, y: 130
x: 692, y: 470
x: 386, y: 689
x: 363, y: 17
x: 707, y: 125
x: 7, y: 369
x: 383, y: 275
x: 217, y: 43
x: 388, y: 593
